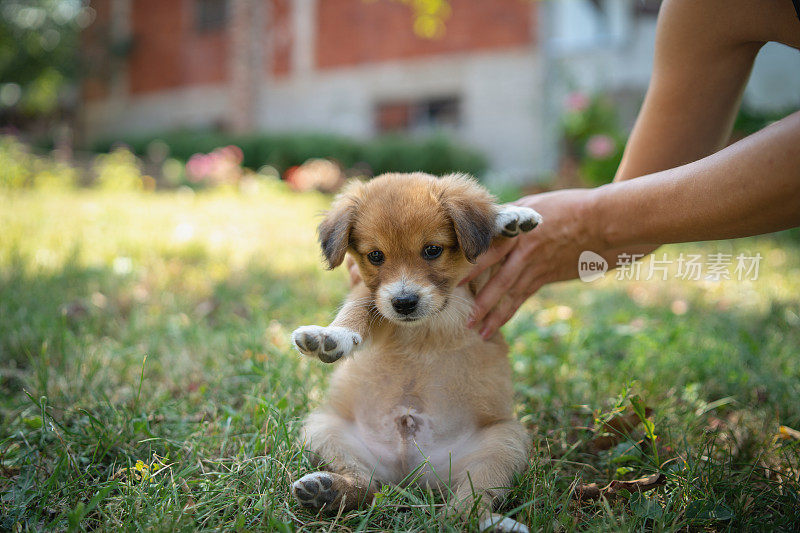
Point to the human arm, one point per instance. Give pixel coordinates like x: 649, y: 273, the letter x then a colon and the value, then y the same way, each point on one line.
x: 704, y: 53
x: 749, y: 188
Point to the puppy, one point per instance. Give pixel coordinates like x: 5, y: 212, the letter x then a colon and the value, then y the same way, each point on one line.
x: 424, y: 399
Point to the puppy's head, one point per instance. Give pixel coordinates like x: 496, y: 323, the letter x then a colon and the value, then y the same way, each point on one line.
x: 412, y: 236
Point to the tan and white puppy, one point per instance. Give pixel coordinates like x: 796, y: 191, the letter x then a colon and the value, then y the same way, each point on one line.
x: 424, y: 397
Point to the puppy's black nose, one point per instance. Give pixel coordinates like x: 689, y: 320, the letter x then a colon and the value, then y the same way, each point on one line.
x: 405, y: 304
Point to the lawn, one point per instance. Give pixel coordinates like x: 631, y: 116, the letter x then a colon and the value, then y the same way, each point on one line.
x: 147, y: 381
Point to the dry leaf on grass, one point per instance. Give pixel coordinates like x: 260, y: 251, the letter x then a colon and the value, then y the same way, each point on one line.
x: 787, y: 433
x: 592, y: 492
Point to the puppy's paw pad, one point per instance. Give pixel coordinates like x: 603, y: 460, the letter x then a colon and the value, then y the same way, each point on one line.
x: 328, y: 344
x: 512, y: 219
x: 315, y: 490
x: 501, y: 524
x: 306, y: 339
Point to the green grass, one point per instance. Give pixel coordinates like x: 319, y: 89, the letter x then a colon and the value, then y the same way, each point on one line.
x: 153, y: 329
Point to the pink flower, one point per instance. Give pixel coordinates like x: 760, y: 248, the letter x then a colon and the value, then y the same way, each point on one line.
x: 222, y: 165
x: 600, y: 146
x: 576, y: 102
x: 198, y: 167
x: 235, y: 153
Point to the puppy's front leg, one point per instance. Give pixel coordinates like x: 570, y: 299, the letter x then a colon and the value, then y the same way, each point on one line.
x: 513, y: 219
x: 342, y: 336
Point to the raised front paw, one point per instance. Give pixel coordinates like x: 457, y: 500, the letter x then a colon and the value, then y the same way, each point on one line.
x: 328, y: 344
x: 315, y: 490
x: 512, y: 219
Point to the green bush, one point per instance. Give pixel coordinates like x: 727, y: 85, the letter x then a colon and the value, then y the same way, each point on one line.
x: 118, y: 170
x: 436, y: 155
x: 55, y: 175
x: 750, y: 120
x: 593, y: 137
x: 16, y: 164
x: 21, y: 168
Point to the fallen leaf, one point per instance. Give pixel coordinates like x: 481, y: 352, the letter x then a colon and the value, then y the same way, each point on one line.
x: 592, y: 492
x: 190, y: 503
x: 787, y: 433
x: 604, y: 441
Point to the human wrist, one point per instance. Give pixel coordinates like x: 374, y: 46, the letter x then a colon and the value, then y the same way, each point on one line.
x: 620, y: 220
x: 599, y: 219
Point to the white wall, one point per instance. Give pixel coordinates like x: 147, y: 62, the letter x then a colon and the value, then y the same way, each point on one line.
x: 195, y: 107
x: 499, y: 92
x: 775, y: 81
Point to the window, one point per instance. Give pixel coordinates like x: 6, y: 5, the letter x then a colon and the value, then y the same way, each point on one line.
x: 210, y: 15
x: 440, y: 113
x: 418, y: 115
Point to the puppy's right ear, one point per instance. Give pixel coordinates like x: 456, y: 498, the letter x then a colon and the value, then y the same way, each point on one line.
x: 471, y: 209
x: 334, y: 231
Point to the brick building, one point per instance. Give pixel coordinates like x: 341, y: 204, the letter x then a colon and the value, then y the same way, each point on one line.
x: 495, y: 78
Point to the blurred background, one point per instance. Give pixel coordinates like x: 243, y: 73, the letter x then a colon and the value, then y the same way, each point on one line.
x: 521, y: 93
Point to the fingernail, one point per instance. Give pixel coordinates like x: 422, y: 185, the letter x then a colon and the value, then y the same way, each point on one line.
x: 485, y: 333
x: 470, y: 323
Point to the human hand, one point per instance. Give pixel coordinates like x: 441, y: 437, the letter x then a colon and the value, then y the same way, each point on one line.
x: 527, y: 262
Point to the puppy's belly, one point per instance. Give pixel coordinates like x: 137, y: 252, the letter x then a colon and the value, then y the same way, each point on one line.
x: 404, y: 438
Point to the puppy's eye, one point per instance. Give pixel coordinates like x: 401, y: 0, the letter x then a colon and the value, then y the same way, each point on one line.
x: 431, y: 252
x: 375, y: 257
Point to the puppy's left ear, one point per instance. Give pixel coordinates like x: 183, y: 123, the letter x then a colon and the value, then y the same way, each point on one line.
x: 472, y: 210
x: 334, y: 231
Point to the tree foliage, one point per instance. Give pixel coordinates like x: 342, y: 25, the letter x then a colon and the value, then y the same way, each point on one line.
x: 38, y: 52
x: 429, y: 16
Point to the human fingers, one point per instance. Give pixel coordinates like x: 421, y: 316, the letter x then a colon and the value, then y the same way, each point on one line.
x: 499, y: 284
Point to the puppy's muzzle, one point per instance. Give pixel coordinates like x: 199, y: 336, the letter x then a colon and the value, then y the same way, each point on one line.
x: 405, y: 304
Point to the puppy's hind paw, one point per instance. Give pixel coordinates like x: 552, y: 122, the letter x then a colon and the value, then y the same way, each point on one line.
x: 315, y: 491
x: 512, y: 219
x: 328, y: 344
x: 501, y: 524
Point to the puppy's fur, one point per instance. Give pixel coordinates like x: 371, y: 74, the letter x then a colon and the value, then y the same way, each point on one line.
x: 424, y: 397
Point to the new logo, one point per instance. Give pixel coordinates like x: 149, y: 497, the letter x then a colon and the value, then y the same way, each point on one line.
x: 591, y: 266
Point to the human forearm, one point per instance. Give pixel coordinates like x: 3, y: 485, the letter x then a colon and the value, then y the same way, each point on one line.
x: 748, y: 188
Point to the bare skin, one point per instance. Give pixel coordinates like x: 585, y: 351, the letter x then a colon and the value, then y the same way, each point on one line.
x: 686, y: 186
